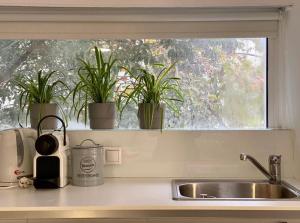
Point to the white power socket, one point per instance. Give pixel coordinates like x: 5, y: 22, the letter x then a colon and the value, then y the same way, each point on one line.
x: 112, y: 155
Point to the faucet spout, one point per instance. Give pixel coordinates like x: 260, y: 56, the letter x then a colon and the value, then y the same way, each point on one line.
x: 274, y: 175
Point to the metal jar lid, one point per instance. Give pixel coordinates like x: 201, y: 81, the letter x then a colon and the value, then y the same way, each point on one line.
x: 88, y: 144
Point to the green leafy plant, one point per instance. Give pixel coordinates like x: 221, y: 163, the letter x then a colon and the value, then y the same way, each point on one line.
x: 39, y: 90
x: 153, y: 88
x: 96, y: 83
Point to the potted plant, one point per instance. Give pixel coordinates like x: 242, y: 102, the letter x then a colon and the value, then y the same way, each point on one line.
x: 94, y: 93
x: 39, y: 96
x: 152, y: 92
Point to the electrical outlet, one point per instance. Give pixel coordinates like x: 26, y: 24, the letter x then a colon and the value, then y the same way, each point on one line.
x: 112, y: 155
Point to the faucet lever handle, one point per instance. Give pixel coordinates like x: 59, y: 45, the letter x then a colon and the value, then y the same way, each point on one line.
x: 243, y: 156
x: 275, y: 159
x: 275, y: 168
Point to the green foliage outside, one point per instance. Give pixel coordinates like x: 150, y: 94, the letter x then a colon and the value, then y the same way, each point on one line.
x: 223, y: 80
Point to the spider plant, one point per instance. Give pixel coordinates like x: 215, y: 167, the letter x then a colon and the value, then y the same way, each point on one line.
x: 39, y: 90
x: 96, y: 85
x: 153, y: 90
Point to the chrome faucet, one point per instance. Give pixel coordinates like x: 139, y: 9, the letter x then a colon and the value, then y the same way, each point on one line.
x: 274, y: 173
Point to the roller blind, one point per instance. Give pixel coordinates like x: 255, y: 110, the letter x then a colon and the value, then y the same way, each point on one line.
x: 93, y: 23
x: 148, y: 3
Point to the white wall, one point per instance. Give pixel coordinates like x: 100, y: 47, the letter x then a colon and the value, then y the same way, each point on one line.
x: 204, y: 154
x: 293, y: 72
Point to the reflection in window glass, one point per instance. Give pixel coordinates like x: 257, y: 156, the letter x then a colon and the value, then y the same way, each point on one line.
x: 223, y: 80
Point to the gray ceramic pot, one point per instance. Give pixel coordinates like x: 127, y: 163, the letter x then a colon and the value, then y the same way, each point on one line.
x: 151, y: 116
x: 38, y: 111
x: 102, y: 115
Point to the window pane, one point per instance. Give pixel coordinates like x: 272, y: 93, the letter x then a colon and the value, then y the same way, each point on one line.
x: 223, y: 80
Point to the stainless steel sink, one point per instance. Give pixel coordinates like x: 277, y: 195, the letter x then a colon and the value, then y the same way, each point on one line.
x: 232, y: 189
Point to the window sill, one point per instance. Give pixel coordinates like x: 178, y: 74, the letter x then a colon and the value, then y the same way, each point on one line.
x: 178, y: 130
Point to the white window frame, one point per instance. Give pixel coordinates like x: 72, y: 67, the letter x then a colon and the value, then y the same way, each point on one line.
x: 90, y: 23
x: 273, y: 84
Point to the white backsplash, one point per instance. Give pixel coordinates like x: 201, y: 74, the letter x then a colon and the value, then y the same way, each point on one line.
x: 203, y: 154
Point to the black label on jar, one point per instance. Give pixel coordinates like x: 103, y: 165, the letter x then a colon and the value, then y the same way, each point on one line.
x: 85, y: 175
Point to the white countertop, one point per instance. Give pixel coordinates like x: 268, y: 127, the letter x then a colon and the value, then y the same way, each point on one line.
x: 121, y: 194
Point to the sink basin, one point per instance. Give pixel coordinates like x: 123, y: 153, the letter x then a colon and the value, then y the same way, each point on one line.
x: 232, y: 189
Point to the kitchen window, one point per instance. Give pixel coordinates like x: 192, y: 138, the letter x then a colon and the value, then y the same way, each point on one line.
x: 223, y: 80
x: 226, y: 59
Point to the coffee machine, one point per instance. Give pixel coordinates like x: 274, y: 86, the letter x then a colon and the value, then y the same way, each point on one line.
x: 50, y: 163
